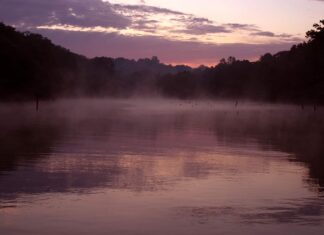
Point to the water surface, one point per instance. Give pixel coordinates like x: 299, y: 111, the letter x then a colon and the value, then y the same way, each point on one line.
x: 161, y: 167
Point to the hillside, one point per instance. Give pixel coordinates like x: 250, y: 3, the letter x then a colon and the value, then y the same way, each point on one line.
x: 32, y: 66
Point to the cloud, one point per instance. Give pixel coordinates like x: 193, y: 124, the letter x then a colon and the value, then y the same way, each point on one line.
x: 270, y: 34
x: 145, y: 25
x: 145, y: 9
x: 201, y: 20
x: 264, y: 33
x: 96, y: 27
x: 85, y: 13
x: 199, y: 26
x: 138, y: 19
x: 248, y: 27
x: 176, y: 52
x: 201, y: 29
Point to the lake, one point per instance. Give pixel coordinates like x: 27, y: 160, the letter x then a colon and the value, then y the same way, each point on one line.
x: 137, y: 166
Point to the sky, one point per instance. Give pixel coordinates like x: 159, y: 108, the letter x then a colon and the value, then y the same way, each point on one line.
x: 191, y: 32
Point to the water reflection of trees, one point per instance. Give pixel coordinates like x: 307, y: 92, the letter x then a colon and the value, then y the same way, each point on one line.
x: 298, y: 132
x: 121, y: 149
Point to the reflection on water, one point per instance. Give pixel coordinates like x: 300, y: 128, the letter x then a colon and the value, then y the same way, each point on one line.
x: 161, y: 167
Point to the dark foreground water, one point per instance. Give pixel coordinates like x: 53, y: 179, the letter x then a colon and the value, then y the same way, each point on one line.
x: 161, y: 167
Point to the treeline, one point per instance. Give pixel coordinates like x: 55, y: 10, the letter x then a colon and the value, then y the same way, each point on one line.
x: 296, y: 75
x: 32, y: 66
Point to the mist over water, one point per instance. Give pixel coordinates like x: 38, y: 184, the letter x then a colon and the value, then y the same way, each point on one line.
x: 159, y: 166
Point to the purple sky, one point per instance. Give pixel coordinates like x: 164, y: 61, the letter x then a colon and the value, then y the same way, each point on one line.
x: 179, y: 32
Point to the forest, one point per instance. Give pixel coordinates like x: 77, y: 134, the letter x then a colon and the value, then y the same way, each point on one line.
x: 32, y: 66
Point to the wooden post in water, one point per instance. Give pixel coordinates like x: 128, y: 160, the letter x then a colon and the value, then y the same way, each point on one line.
x: 37, y: 103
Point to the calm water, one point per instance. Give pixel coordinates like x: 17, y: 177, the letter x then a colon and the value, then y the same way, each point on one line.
x: 161, y: 167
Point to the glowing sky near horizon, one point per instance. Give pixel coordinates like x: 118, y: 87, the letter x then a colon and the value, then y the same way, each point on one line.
x: 189, y: 32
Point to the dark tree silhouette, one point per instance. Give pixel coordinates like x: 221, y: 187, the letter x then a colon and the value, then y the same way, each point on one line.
x: 317, y: 33
x: 32, y: 66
